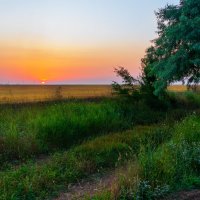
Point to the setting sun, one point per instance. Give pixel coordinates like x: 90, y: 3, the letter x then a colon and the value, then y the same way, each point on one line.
x: 67, y: 44
x: 79, y: 43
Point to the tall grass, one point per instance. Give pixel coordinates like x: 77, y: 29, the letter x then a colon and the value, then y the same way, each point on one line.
x: 64, y: 125
x: 33, y: 181
x: 82, y: 132
x: 41, y: 128
x: 187, y: 99
x: 171, y: 166
x: 176, y: 163
x: 31, y: 129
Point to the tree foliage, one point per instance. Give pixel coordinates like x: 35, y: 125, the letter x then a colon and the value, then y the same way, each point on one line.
x: 129, y: 86
x: 147, y: 78
x: 175, y: 54
x: 140, y: 89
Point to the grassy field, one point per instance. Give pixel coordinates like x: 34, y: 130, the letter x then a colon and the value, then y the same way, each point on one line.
x: 177, y: 88
x: 33, y: 93
x: 47, y: 146
x: 37, y: 93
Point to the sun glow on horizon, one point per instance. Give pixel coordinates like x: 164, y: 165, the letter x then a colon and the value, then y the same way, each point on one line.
x: 43, y: 81
x: 70, y: 66
x: 79, y: 41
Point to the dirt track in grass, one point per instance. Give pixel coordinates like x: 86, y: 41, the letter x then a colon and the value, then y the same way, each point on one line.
x: 185, y: 195
x: 89, y: 187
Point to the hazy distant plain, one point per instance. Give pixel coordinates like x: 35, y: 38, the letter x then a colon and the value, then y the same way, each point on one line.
x: 35, y: 93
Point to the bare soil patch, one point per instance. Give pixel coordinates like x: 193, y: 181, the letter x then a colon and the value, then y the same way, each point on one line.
x: 89, y: 187
x: 185, y: 195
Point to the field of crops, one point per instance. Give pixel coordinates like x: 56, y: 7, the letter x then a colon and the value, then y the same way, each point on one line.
x: 33, y: 93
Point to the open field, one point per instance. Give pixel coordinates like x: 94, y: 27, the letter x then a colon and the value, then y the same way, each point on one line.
x: 177, y: 88
x: 35, y: 93
x: 48, y: 146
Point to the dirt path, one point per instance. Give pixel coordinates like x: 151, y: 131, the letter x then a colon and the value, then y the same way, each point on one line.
x: 185, y: 195
x: 89, y: 187
x: 98, y: 183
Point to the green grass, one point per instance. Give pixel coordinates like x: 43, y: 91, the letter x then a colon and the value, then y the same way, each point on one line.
x: 79, y: 138
x: 177, y: 162
x: 187, y: 99
x: 32, y: 181
x: 33, y: 129
x: 169, y: 167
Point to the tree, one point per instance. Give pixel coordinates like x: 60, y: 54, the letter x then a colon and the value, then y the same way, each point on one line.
x: 147, y: 78
x: 129, y: 86
x: 175, y: 54
x: 140, y: 89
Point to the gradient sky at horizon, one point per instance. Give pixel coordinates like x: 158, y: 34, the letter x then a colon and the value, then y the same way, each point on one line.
x: 74, y: 41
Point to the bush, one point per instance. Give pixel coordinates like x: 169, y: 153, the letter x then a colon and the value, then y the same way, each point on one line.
x: 130, y: 87
x: 177, y: 162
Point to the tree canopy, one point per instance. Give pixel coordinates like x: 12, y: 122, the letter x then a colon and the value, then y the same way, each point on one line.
x: 175, y: 53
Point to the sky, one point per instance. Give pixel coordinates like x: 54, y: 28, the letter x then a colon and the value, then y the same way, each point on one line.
x: 74, y: 41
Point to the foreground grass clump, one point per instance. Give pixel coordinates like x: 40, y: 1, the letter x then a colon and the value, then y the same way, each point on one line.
x: 176, y: 163
x: 68, y: 124
x: 29, y: 130
x: 171, y: 166
x: 187, y: 99
x: 39, y: 181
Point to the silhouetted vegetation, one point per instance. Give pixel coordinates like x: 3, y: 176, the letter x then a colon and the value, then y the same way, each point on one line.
x: 130, y: 87
x: 176, y: 52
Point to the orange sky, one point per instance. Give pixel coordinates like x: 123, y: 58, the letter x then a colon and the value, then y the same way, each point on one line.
x: 70, y: 64
x: 77, y: 41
